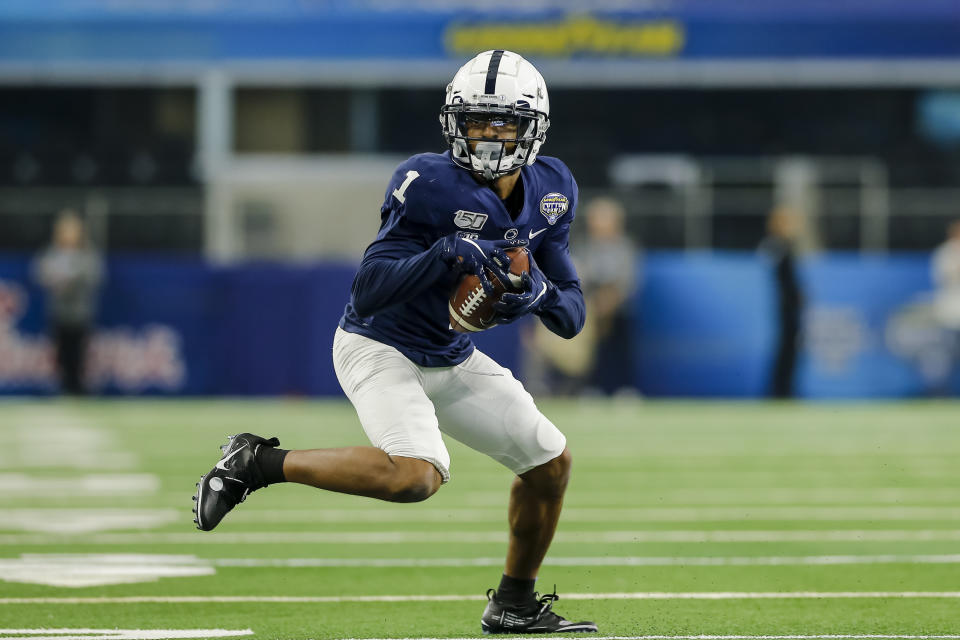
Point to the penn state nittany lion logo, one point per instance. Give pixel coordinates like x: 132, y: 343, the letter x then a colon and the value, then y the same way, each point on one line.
x: 553, y: 206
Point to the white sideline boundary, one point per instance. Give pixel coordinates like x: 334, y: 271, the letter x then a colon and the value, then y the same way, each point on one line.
x: 498, y: 537
x: 141, y: 634
x: 119, y: 634
x: 736, y: 496
x: 596, y: 561
x: 86, y: 570
x: 704, y: 637
x: 846, y: 513
x: 644, y: 595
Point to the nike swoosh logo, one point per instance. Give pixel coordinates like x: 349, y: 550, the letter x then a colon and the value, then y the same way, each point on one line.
x: 473, y: 243
x: 540, y: 295
x: 223, y: 467
x: 534, y: 235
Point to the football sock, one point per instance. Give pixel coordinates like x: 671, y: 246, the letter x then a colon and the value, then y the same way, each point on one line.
x: 517, y: 592
x: 270, y: 461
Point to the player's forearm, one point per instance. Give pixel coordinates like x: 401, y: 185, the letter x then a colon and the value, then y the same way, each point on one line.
x: 566, y: 312
x: 382, y: 282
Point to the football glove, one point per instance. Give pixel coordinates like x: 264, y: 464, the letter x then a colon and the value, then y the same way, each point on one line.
x: 475, y: 256
x: 536, y: 290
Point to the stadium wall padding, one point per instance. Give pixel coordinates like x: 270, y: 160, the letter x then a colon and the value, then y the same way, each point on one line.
x: 181, y: 326
x: 704, y: 325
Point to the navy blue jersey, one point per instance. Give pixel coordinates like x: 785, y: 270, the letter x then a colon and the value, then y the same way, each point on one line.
x: 399, y: 296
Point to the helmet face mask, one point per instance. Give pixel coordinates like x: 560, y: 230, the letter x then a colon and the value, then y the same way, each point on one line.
x: 496, y: 114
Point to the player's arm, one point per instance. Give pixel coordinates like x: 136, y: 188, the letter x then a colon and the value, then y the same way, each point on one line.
x: 407, y: 258
x: 551, y: 290
x: 397, y: 267
x: 563, y: 309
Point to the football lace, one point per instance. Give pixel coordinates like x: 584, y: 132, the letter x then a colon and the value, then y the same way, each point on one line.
x: 473, y: 301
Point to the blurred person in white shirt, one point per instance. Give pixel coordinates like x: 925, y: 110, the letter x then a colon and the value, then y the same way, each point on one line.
x: 608, y: 261
x: 946, y: 277
x: 945, y: 267
x: 70, y: 272
x: 601, y: 358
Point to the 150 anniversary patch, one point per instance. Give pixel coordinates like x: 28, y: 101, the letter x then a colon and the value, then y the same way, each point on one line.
x: 553, y: 206
x: 469, y: 219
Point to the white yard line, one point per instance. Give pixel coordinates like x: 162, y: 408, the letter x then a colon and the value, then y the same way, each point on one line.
x: 708, y: 595
x: 55, y: 437
x: 86, y: 520
x: 82, y: 570
x: 734, y: 496
x: 613, y: 514
x: 648, y: 498
x: 87, y: 570
x: 600, y: 561
x: 141, y: 634
x: 119, y: 634
x: 60, y: 520
x: 798, y: 637
x: 473, y: 537
x: 37, y: 487
x: 704, y: 637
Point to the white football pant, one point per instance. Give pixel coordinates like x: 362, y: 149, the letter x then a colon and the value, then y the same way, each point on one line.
x: 404, y: 407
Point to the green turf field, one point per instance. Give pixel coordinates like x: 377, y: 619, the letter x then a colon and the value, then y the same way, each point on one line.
x: 682, y: 519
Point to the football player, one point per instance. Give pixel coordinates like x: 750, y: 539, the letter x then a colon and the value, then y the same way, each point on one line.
x: 409, y: 375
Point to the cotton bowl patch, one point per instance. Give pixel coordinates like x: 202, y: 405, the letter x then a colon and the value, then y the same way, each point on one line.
x: 554, y: 205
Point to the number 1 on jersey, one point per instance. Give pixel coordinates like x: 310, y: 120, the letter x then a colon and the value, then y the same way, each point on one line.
x: 398, y: 192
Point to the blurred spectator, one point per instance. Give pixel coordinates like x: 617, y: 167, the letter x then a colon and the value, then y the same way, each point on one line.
x: 608, y: 265
x: 784, y: 226
x: 70, y: 271
x: 600, y: 358
x: 946, y: 277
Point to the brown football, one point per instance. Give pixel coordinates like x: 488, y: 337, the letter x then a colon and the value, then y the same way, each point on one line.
x: 471, y: 309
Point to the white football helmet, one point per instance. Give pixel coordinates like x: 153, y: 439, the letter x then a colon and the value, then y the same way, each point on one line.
x: 501, y: 88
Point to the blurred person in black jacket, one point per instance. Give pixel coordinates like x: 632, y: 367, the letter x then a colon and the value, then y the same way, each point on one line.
x: 70, y: 272
x: 780, y: 247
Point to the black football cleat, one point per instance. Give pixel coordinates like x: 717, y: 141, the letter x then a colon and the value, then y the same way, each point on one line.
x: 538, y: 618
x: 229, y: 483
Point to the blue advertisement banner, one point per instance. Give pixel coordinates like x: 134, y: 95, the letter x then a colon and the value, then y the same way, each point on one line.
x: 705, y: 325
x: 184, y: 327
x: 870, y: 330
x: 83, y: 31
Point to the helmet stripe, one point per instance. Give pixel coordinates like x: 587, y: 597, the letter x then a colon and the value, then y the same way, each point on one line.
x: 491, y: 86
